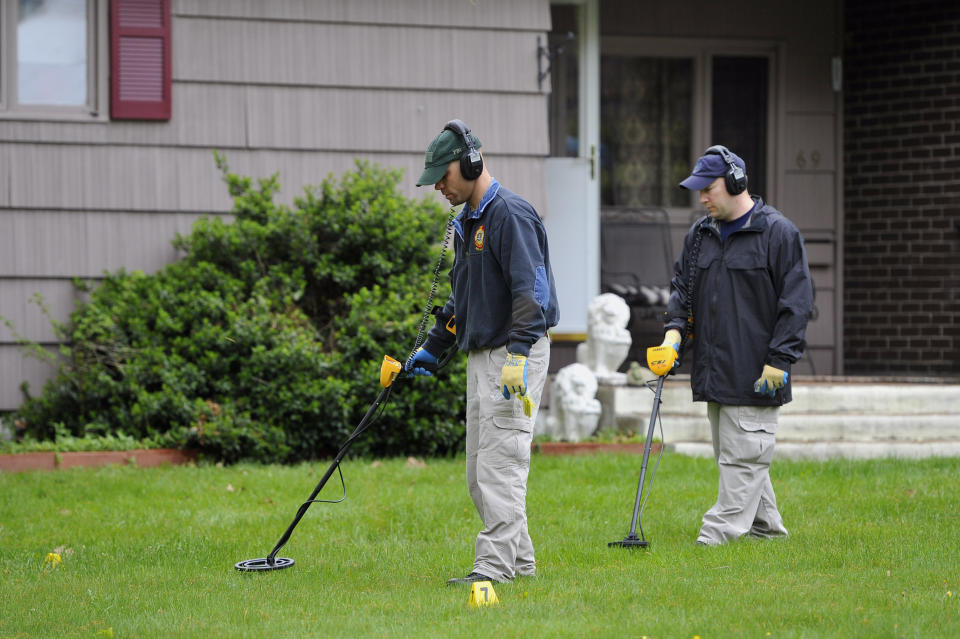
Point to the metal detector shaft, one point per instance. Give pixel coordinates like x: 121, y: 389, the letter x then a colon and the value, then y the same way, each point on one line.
x: 326, y: 476
x: 631, y: 540
x: 646, y: 455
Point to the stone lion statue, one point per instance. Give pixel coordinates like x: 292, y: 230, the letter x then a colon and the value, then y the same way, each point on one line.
x: 574, y: 409
x: 608, y: 340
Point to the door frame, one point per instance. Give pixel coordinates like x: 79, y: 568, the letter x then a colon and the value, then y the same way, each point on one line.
x: 574, y: 320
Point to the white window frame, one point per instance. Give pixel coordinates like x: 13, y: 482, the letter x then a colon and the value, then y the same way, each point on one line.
x: 96, y: 108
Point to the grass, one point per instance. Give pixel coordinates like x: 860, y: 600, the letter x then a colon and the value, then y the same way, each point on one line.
x: 149, y: 552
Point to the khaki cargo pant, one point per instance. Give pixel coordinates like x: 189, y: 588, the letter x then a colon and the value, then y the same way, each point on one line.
x: 743, y: 443
x: 499, y: 436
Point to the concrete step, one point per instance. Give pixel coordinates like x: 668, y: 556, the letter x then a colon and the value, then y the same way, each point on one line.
x: 836, y: 416
x: 812, y: 396
x: 875, y: 398
x: 838, y: 450
x: 811, y: 428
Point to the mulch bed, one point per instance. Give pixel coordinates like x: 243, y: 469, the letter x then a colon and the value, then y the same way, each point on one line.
x: 53, y: 461
x: 589, y: 448
x: 158, y: 456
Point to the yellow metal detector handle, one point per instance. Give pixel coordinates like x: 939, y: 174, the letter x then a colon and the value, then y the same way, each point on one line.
x: 660, y: 359
x: 451, y: 324
x: 389, y: 370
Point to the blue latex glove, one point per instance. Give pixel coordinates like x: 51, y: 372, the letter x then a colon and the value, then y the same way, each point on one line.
x: 421, y: 357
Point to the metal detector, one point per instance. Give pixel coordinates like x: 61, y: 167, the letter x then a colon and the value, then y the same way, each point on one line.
x: 389, y: 370
x: 661, y: 366
x: 663, y: 360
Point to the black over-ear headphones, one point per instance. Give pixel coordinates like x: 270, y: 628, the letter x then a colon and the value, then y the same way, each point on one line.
x: 735, y: 178
x: 471, y: 164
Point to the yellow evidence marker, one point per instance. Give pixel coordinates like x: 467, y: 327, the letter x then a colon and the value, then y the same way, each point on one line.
x: 482, y: 594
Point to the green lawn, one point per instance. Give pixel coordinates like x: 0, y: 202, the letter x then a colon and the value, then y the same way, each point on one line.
x: 873, y: 552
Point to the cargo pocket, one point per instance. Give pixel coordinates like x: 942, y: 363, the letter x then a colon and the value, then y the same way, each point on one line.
x: 748, y: 269
x: 759, y: 426
x: 507, y: 414
x: 512, y: 421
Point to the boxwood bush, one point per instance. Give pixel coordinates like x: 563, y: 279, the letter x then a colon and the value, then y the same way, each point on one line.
x: 264, y: 341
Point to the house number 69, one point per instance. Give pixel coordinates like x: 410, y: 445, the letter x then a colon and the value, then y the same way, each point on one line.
x: 814, y: 159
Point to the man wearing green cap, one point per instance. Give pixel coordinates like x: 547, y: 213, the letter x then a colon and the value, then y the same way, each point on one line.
x: 502, y: 303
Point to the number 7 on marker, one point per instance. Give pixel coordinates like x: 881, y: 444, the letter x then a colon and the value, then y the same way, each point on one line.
x: 483, y: 589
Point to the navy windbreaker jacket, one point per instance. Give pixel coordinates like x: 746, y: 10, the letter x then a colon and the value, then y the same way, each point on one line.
x: 502, y: 287
x: 752, y: 299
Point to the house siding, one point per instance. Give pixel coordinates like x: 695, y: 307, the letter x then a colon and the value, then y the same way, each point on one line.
x: 291, y: 86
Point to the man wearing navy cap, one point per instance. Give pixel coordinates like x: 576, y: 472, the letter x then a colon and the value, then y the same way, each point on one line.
x: 742, y: 294
x: 503, y: 301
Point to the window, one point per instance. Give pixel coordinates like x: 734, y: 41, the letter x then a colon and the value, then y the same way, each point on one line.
x: 646, y: 108
x: 67, y: 59
x: 564, y: 79
x: 739, y: 113
x: 662, y: 103
x: 50, y: 58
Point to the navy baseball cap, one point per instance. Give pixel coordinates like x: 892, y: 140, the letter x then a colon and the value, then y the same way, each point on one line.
x: 708, y: 168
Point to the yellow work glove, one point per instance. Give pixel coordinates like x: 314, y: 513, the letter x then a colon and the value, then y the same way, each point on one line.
x: 513, y: 380
x: 663, y: 359
x: 513, y: 377
x: 528, y: 406
x: 770, y: 380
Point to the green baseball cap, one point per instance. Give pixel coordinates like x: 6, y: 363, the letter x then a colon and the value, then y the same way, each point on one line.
x: 445, y: 148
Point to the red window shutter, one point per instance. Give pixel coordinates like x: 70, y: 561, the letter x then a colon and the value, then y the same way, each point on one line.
x: 140, y: 66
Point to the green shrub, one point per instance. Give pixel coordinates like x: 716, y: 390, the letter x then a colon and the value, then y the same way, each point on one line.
x: 265, y: 340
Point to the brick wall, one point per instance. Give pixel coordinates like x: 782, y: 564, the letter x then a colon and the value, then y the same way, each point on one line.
x: 902, y: 187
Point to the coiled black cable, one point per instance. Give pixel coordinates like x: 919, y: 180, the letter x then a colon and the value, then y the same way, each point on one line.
x: 693, y: 258
x: 428, y: 309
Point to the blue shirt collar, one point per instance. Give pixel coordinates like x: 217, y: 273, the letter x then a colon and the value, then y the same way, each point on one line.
x: 468, y: 213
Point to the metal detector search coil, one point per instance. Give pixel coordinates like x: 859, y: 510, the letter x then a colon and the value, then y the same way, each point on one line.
x: 265, y: 563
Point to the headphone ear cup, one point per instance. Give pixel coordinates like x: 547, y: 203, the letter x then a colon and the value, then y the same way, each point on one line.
x: 471, y: 164
x: 730, y: 182
x: 735, y: 180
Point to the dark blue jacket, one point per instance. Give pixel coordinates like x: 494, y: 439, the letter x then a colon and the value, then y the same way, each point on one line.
x: 752, y: 299
x: 502, y: 287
